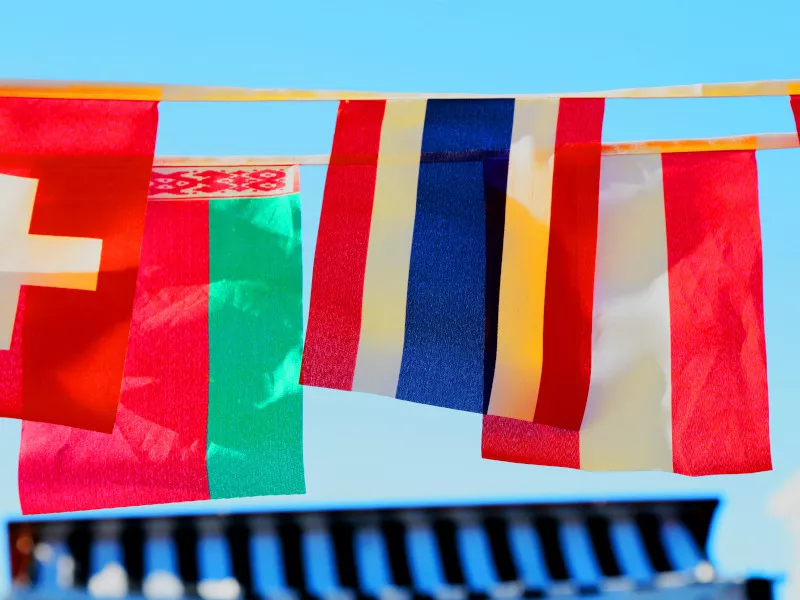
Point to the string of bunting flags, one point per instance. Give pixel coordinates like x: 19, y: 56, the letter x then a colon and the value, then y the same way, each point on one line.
x: 598, y: 305
x: 156, y: 92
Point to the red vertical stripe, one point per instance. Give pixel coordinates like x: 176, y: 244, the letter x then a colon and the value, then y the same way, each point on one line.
x: 91, y: 185
x: 794, y: 102
x: 334, y: 318
x: 569, y: 289
x: 720, y: 412
x: 11, y: 368
x: 157, y: 452
x: 514, y: 440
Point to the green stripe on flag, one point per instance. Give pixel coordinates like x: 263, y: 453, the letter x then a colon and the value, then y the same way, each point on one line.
x: 255, y: 327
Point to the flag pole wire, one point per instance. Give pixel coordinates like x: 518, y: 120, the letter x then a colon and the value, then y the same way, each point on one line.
x: 764, y: 141
x: 95, y: 90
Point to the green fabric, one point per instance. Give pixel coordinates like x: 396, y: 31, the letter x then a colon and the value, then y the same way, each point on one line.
x: 255, y: 330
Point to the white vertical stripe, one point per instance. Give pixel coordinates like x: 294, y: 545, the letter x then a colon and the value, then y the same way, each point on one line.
x: 526, y: 236
x: 383, y: 316
x: 628, y: 421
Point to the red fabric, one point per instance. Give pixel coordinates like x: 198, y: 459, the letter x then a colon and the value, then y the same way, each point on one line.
x: 720, y: 411
x: 794, y: 102
x: 11, y: 367
x: 157, y: 452
x: 569, y: 288
x: 334, y: 318
x: 93, y: 161
x: 514, y: 440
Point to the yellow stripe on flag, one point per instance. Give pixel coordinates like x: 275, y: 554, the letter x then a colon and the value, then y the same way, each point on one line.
x: 518, y: 368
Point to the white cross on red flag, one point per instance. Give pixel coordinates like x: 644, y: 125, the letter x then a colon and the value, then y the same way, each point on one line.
x: 74, y: 178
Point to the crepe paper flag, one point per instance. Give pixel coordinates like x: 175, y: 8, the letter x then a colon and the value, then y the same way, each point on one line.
x: 211, y: 406
x: 678, y: 360
x: 73, y: 193
x: 545, y: 288
x: 422, y: 226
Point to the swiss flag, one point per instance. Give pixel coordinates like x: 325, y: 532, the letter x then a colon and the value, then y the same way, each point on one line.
x: 74, y: 178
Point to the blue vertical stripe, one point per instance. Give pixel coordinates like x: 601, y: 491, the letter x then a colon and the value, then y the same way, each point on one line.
x: 681, y: 549
x: 579, y: 553
x: 372, y: 560
x: 424, y: 560
x: 495, y: 179
x: 213, y: 555
x: 103, y: 552
x: 54, y: 567
x: 476, y: 556
x: 319, y: 558
x: 629, y: 548
x: 443, y: 356
x: 266, y: 560
x: 528, y: 554
x: 160, y: 556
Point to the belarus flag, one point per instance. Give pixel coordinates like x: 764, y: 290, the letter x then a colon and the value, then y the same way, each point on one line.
x: 74, y: 178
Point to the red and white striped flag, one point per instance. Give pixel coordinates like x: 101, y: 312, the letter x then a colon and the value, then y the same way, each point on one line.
x: 677, y: 374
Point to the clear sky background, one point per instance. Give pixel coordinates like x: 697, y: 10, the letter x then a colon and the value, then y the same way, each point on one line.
x: 363, y: 449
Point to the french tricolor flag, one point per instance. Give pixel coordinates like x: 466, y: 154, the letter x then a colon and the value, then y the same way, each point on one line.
x: 602, y: 312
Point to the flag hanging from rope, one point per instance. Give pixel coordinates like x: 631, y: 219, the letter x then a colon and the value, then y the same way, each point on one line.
x: 434, y: 233
x: 73, y: 191
x: 677, y: 374
x: 211, y: 406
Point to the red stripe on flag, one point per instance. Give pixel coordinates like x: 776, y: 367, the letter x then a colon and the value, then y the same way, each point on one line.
x: 157, y: 452
x: 720, y: 410
x: 91, y: 185
x: 334, y: 316
x: 794, y: 102
x: 569, y: 288
x: 514, y: 440
x: 11, y: 368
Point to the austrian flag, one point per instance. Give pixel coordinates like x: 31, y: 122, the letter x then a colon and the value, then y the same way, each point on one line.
x: 675, y: 377
x: 74, y: 181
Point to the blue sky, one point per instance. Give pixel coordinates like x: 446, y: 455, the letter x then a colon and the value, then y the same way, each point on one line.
x: 504, y: 46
